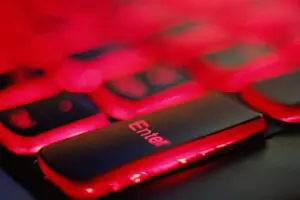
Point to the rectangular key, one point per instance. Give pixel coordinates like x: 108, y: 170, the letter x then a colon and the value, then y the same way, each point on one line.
x: 27, y: 128
x: 147, y: 91
x: 128, y: 152
x: 277, y: 97
x: 235, y: 64
x: 24, y: 85
x: 17, y: 76
x: 185, y: 41
x: 94, y: 66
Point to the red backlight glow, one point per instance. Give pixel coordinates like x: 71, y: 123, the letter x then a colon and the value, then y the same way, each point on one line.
x: 154, y: 165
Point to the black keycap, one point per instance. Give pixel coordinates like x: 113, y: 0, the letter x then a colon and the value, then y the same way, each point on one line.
x: 94, y: 154
x: 237, y: 55
x: 5, y: 80
x: 283, y: 89
x: 93, y: 53
x: 47, y: 114
x: 154, y: 81
x: 276, y: 97
x: 17, y: 76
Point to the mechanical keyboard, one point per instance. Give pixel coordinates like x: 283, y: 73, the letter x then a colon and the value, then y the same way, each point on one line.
x: 95, y: 99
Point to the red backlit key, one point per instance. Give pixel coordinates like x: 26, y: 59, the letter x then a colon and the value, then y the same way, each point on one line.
x: 234, y: 65
x: 147, y: 91
x: 27, y: 128
x: 86, y: 71
x: 186, y: 41
x: 162, y: 76
x: 129, y: 152
x: 18, y: 76
x: 27, y: 92
x: 277, y: 97
x: 132, y: 87
x: 5, y: 80
x: 24, y: 85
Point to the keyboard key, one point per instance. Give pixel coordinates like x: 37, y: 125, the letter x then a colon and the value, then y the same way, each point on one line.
x: 233, y: 66
x: 129, y: 152
x: 147, y: 91
x: 277, y: 97
x: 131, y: 87
x: 163, y: 76
x: 187, y: 40
x: 26, y: 92
x: 18, y: 76
x: 5, y: 80
x: 86, y: 71
x: 27, y: 128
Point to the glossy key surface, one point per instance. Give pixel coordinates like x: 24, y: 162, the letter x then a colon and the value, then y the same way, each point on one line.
x: 148, y: 145
x: 26, y: 128
x: 17, y: 76
x: 283, y: 89
x: 37, y: 117
x: 146, y: 91
x: 277, y: 97
x: 235, y: 65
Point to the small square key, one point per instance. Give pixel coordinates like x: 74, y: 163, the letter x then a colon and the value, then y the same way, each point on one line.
x: 27, y: 128
x: 234, y: 65
x: 126, y: 153
x: 5, y: 81
x: 24, y: 85
x: 18, y: 75
x: 149, y: 90
x: 277, y: 97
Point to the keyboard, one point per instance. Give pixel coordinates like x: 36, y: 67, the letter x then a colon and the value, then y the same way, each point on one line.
x: 97, y: 99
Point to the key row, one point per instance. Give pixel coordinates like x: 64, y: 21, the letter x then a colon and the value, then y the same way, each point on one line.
x: 36, y: 114
x: 225, y: 65
x: 168, y: 37
x: 129, y: 152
